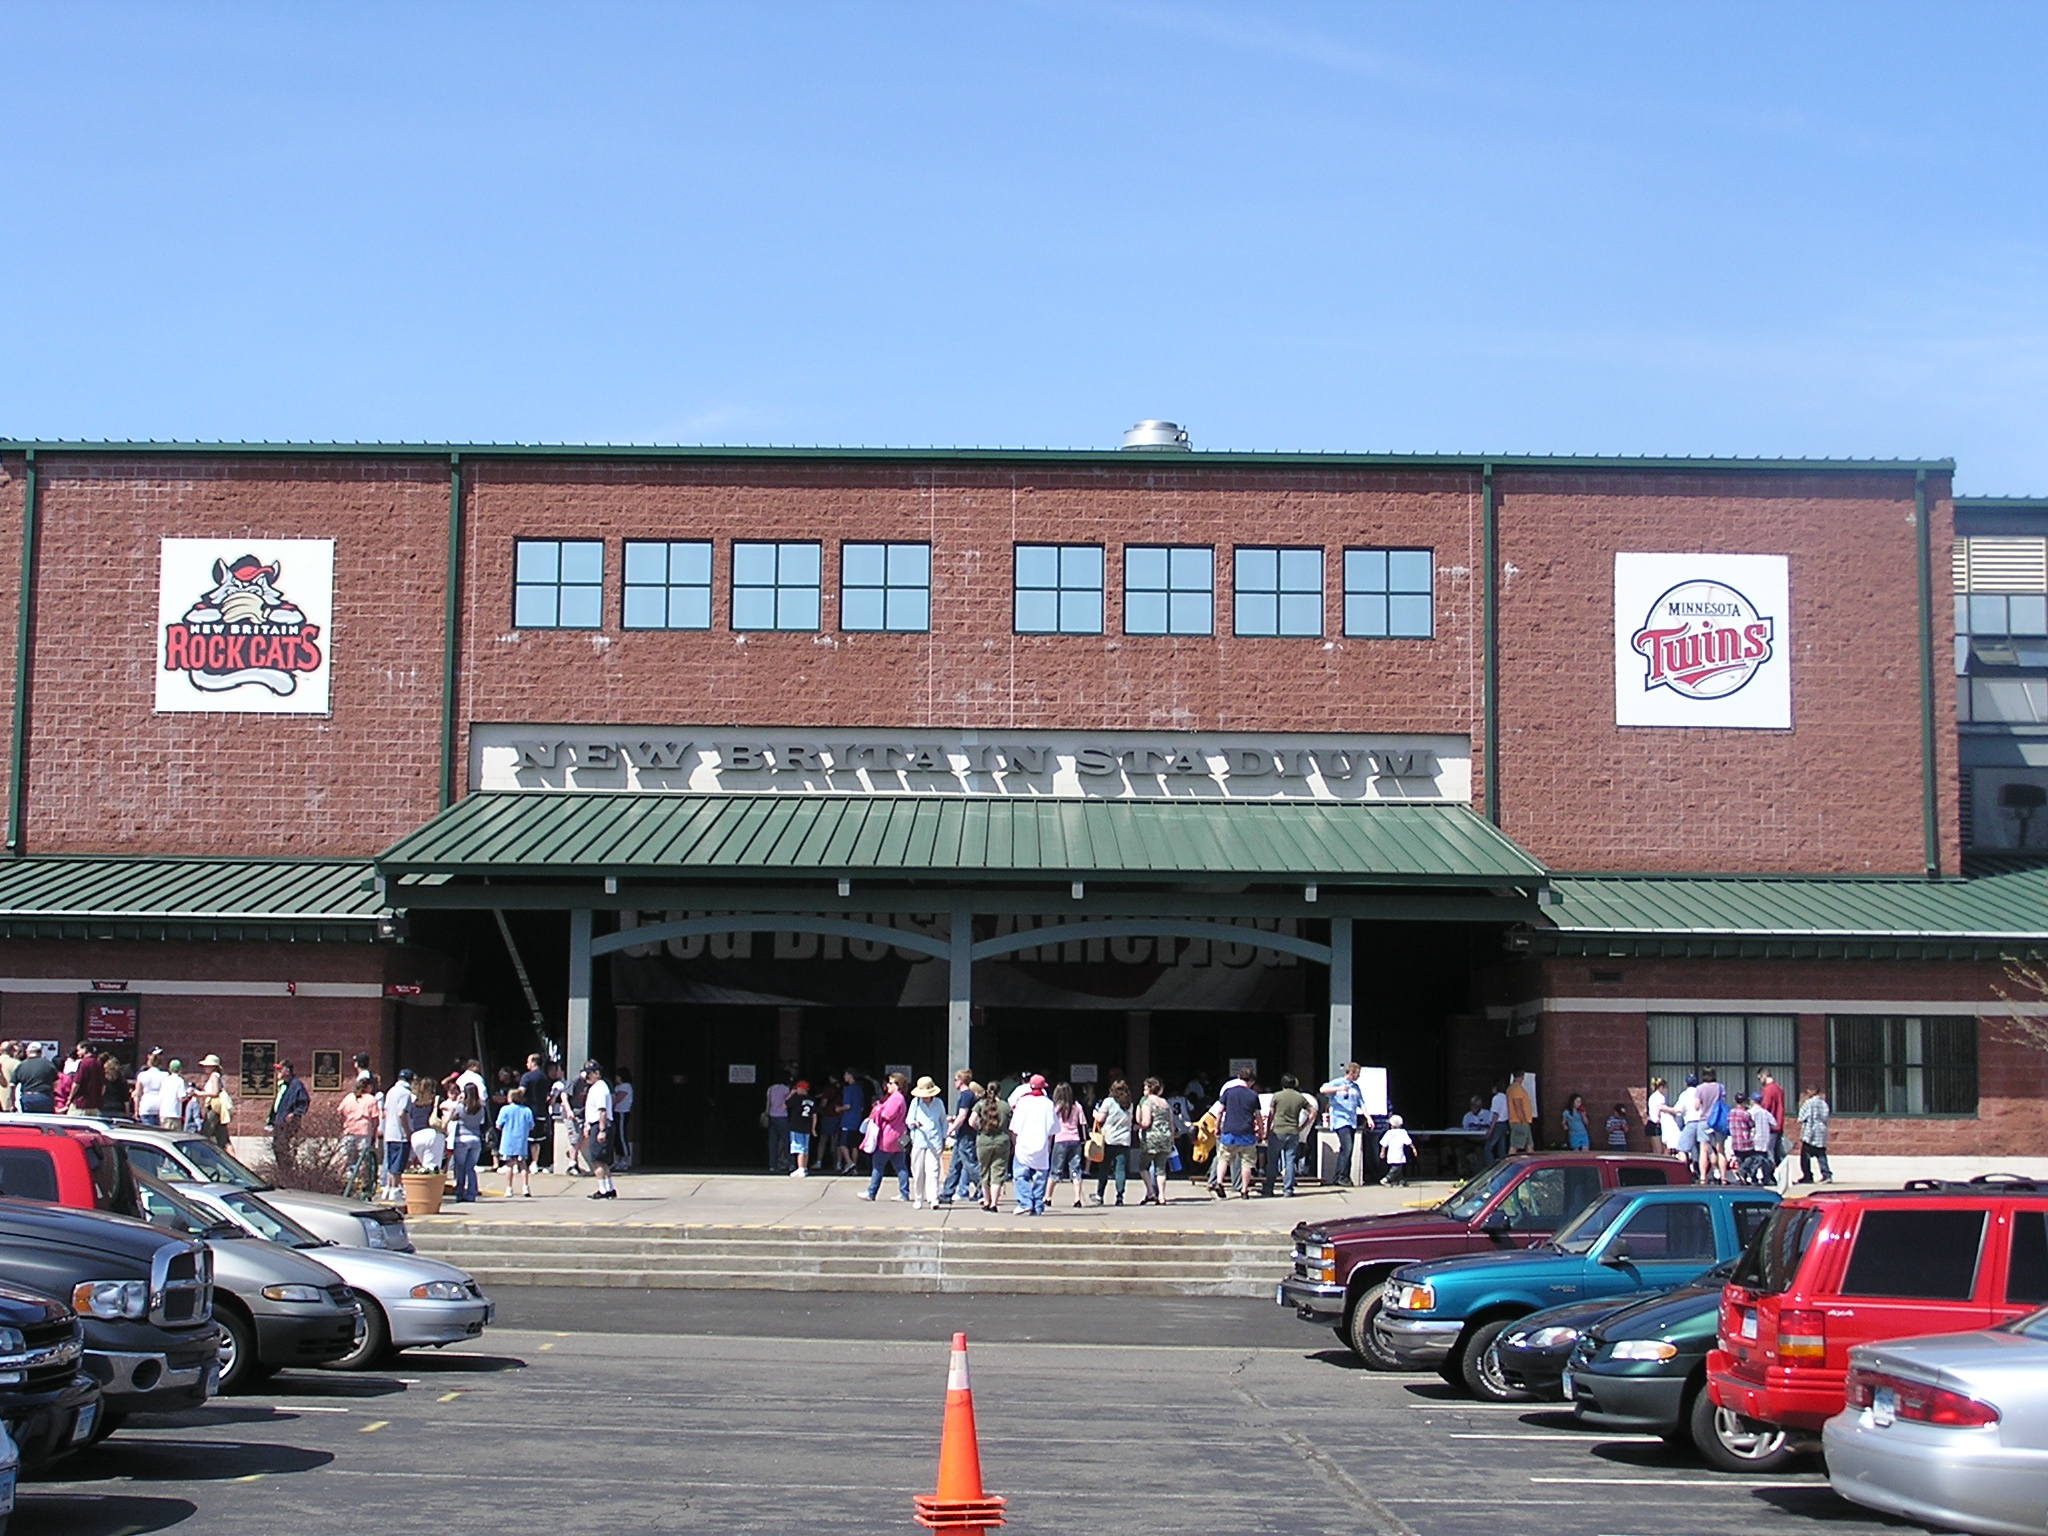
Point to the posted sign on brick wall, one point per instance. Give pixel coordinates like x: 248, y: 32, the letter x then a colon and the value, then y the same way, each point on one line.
x: 1703, y: 640
x: 243, y: 626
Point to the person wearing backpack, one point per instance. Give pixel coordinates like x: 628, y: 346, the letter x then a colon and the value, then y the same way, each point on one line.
x: 1713, y: 1157
x: 992, y: 1147
x: 1154, y: 1117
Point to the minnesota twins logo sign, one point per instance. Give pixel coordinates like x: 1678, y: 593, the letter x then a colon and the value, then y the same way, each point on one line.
x: 241, y: 627
x: 1702, y: 640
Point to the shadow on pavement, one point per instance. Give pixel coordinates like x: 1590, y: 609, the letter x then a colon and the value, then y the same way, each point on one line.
x: 1820, y: 1502
x: 145, y: 1460
x: 96, y: 1514
x: 1342, y: 1359
x: 460, y: 1365
x: 1437, y: 1392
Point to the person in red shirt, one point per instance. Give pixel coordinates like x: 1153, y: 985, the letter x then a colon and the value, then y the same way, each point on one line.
x: 88, y: 1084
x: 1772, y: 1097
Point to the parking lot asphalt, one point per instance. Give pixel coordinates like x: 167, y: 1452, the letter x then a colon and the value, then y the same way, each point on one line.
x: 711, y: 1412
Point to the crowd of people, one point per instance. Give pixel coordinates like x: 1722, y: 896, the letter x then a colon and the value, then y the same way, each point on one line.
x: 1038, y: 1137
x: 1739, y: 1138
x: 94, y: 1082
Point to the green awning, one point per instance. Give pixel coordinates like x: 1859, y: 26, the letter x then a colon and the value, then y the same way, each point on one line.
x: 1898, y: 916
x: 127, y: 897
x: 956, y: 837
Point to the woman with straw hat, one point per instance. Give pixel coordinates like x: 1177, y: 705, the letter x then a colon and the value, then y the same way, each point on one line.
x: 927, y: 1125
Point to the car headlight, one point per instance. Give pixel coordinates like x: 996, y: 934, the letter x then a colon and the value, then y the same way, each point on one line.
x: 111, y: 1298
x: 311, y: 1294
x: 373, y: 1231
x: 1550, y: 1338
x: 11, y: 1342
x: 1326, y: 1264
x: 440, y: 1290
x: 1402, y: 1297
x: 1643, y: 1349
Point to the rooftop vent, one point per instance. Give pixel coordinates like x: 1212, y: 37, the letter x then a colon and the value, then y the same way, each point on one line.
x: 1157, y: 435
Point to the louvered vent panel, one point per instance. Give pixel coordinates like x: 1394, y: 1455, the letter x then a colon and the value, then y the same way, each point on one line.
x: 2008, y: 565
x: 1959, y: 564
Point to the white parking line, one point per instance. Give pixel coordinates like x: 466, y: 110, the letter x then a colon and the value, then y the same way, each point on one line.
x: 1583, y: 1437
x: 1732, y: 1484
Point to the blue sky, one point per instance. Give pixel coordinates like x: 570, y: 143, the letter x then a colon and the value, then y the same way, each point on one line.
x: 1773, y: 229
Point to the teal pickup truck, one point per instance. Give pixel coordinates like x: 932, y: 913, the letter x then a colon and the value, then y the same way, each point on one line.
x: 1446, y: 1314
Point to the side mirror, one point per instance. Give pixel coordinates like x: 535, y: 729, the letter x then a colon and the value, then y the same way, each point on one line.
x: 1496, y: 1222
x: 1617, y: 1253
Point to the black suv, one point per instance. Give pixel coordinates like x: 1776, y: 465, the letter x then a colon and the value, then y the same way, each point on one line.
x: 50, y: 1404
x: 145, y: 1299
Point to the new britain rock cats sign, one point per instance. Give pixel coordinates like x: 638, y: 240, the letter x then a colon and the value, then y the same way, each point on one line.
x: 1702, y: 640
x: 242, y: 626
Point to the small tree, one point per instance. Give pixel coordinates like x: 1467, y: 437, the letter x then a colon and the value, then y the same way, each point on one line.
x: 2029, y: 977
x: 309, y: 1156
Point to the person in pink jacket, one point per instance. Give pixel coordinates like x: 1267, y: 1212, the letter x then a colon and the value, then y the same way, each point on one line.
x: 890, y: 1122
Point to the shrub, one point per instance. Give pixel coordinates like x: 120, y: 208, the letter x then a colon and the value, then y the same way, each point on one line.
x: 310, y: 1157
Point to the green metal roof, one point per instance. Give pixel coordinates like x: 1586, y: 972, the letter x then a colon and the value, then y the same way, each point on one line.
x: 258, y: 900
x: 1149, y: 460
x: 1902, y: 917
x: 956, y: 837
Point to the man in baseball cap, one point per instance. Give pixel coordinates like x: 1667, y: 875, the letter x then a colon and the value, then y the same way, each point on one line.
x: 1033, y: 1123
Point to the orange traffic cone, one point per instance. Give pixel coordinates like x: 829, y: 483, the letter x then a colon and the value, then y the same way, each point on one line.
x: 959, y: 1505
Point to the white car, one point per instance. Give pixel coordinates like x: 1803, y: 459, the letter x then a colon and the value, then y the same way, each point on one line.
x: 407, y: 1298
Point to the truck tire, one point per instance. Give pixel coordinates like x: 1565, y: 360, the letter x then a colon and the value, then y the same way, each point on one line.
x: 1735, y: 1444
x: 1480, y: 1365
x: 1358, y: 1333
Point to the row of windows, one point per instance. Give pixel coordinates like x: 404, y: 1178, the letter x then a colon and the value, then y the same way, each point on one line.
x: 1876, y: 1065
x: 1058, y: 588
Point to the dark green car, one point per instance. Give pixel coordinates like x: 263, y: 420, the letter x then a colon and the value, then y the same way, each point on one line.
x: 1644, y: 1369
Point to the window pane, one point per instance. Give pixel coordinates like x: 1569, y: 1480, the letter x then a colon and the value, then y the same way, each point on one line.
x: 1193, y: 569
x: 536, y: 560
x: 1925, y: 1255
x: 1038, y: 565
x: 797, y: 608
x: 910, y: 608
x: 690, y: 562
x: 583, y: 561
x: 2026, y: 1276
x: 533, y: 608
x: 1408, y: 570
x: 1365, y: 570
x: 646, y: 608
x: 1408, y: 617
x: 1192, y: 613
x: 910, y: 565
x: 1144, y: 613
x: 753, y: 565
x: 1365, y: 615
x: 800, y: 565
x: 1721, y: 1038
x: 1773, y: 1040
x: 2028, y: 615
x: 1258, y: 613
x: 1962, y: 614
x: 1081, y: 612
x: 753, y: 607
x: 1038, y: 613
x: 1671, y: 1037
x: 689, y: 607
x: 1301, y: 570
x: 2020, y: 700
x: 646, y: 563
x: 582, y: 607
x: 1301, y: 614
x: 861, y: 565
x: 1080, y: 565
x: 1987, y: 615
x: 1258, y: 570
x: 860, y: 608
x: 1145, y: 569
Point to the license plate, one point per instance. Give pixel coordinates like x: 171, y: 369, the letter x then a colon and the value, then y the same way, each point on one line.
x: 81, y: 1427
x: 1749, y: 1325
x: 1567, y: 1386
x: 1884, y: 1406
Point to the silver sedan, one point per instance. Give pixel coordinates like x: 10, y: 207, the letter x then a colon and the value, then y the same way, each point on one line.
x: 407, y: 1298
x: 1949, y: 1430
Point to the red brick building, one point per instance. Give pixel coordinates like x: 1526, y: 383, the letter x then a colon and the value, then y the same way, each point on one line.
x: 1457, y: 765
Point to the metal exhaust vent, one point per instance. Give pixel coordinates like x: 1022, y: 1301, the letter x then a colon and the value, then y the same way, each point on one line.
x: 1158, y: 435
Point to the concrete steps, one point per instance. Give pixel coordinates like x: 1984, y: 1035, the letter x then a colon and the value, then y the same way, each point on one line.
x: 1020, y: 1261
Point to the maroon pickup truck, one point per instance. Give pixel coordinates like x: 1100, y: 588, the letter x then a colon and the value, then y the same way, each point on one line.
x: 1339, y: 1265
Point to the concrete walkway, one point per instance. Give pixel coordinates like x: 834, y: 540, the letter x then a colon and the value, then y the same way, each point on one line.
x: 827, y: 1200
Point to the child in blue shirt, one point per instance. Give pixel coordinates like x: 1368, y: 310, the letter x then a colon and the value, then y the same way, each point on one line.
x: 515, y: 1133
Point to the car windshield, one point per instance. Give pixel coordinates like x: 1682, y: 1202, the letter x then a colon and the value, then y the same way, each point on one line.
x: 214, y: 1166
x: 2032, y: 1326
x: 166, y: 1208
x: 265, y: 1220
x: 1583, y: 1230
x: 1469, y: 1200
x: 1773, y: 1256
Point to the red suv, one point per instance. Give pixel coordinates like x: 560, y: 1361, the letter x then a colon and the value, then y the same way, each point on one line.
x: 1841, y: 1268
x: 78, y: 1166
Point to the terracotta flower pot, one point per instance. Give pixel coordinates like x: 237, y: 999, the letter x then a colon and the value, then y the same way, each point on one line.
x: 422, y: 1193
